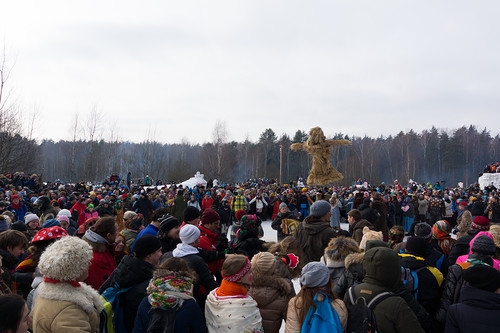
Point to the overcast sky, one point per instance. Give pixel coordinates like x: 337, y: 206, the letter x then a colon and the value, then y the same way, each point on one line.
x: 169, y: 70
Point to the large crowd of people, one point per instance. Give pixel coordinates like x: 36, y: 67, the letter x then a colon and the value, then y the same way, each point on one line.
x: 194, y: 259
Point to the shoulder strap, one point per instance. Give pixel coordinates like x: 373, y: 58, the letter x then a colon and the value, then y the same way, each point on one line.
x: 379, y: 298
x: 350, y: 292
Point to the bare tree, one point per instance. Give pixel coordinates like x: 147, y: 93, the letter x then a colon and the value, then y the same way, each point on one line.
x: 219, y: 136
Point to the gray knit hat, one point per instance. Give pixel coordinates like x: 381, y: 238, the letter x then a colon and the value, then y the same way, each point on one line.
x: 484, y: 245
x: 320, y: 208
x: 423, y: 230
x: 314, y: 274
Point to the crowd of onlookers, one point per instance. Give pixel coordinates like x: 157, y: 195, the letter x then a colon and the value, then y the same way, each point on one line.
x: 193, y: 259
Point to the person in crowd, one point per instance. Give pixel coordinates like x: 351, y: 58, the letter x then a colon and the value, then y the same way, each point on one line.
x: 492, y: 210
x: 478, y: 207
x: 143, y: 205
x: 180, y: 203
x: 336, y: 207
x: 32, y: 224
x: 408, y: 214
x: 12, y: 246
x: 168, y: 232
x: 207, y: 201
x: 464, y: 219
x: 192, y: 202
x: 483, y: 250
x: 396, y: 237
x: 239, y: 202
x: 134, y: 272
x: 462, y: 245
x: 479, y: 306
x: 63, y: 303
x: 422, y: 208
x: 229, y: 308
x: 191, y: 215
x: 316, y: 284
x: 104, y: 209
x: 356, y: 224
x: 101, y: 238
x: 441, y: 238
x: 247, y: 241
x: 289, y: 248
x: 25, y: 270
x: 280, y: 222
x: 430, y: 279
x: 436, y: 207
x: 335, y: 253
x: 17, y: 207
x: 382, y: 267
x: 133, y: 223
x: 90, y: 212
x: 15, y: 315
x: 236, y: 225
x: 154, y: 226
x: 380, y: 207
x: 209, y: 236
x: 188, y: 250
x: 314, y: 233
x: 72, y: 224
x: 270, y: 290
x: 169, y: 305
x: 78, y: 210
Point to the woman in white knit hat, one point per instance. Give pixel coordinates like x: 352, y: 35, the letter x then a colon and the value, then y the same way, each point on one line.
x: 64, y: 303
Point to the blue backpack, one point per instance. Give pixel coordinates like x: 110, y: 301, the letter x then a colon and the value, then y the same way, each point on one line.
x: 322, y: 317
x: 112, y: 318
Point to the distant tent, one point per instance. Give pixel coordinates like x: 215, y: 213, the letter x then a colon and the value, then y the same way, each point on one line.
x: 194, y: 181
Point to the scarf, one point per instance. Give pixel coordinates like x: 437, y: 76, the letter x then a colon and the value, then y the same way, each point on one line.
x: 183, y: 250
x: 169, y: 291
x: 228, y: 288
x: 441, y: 234
x: 95, y: 237
x: 55, y: 281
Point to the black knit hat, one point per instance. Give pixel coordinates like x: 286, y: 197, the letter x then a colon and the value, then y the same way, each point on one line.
x: 191, y: 213
x: 145, y: 245
x: 168, y: 222
x: 483, y: 277
x: 424, y: 230
x: 484, y: 245
x: 416, y: 245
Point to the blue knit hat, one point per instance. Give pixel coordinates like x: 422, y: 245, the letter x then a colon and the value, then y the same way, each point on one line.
x: 320, y: 208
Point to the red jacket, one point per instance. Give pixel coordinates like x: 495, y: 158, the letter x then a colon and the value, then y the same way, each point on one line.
x: 80, y: 209
x: 102, y: 265
x: 208, y: 241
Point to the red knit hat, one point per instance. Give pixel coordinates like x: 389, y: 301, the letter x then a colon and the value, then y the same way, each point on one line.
x: 462, y: 203
x: 209, y: 216
x: 481, y: 223
x: 239, y: 214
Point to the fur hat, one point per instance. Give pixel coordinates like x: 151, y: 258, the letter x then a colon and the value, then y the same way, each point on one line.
x: 480, y: 223
x: 190, y: 213
x: 30, y: 217
x: 209, y: 216
x: 66, y: 259
x: 484, y: 245
x: 369, y: 234
x: 495, y: 232
x: 416, y: 245
x: 340, y: 247
x: 320, y: 208
x: 264, y: 263
x: 145, y: 245
x: 189, y: 234
x: 314, y: 274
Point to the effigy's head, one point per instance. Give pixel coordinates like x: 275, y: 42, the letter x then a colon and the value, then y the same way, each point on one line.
x: 316, y: 136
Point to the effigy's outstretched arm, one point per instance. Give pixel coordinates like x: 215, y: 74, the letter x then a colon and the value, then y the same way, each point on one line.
x: 297, y: 146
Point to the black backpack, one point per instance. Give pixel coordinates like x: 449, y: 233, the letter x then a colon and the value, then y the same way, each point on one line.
x: 360, y: 318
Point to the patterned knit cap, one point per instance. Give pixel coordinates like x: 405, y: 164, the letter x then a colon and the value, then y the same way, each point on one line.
x: 169, y: 291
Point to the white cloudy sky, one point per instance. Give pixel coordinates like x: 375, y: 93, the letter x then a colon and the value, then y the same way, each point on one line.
x: 169, y: 70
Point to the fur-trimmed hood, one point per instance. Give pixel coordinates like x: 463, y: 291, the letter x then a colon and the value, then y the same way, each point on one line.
x: 353, y: 259
x: 85, y: 296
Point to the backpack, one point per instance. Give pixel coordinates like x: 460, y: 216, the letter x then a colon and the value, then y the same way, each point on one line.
x: 360, y: 316
x: 112, y: 317
x: 409, y: 279
x: 322, y: 317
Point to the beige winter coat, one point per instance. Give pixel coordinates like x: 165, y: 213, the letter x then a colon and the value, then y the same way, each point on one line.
x: 62, y: 308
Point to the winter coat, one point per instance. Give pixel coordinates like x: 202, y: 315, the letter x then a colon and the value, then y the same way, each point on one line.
x: 293, y: 325
x: 382, y: 273
x: 208, y: 241
x: 188, y: 318
x: 462, y: 246
x: 102, y: 264
x: 131, y: 272
x: 478, y: 311
x: 356, y: 229
x: 313, y: 236
x: 61, y: 308
x: 276, y: 224
x: 352, y: 275
x: 381, y: 223
x: 272, y: 294
x: 429, y: 285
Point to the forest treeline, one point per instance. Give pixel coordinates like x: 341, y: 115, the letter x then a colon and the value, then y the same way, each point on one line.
x: 448, y: 156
